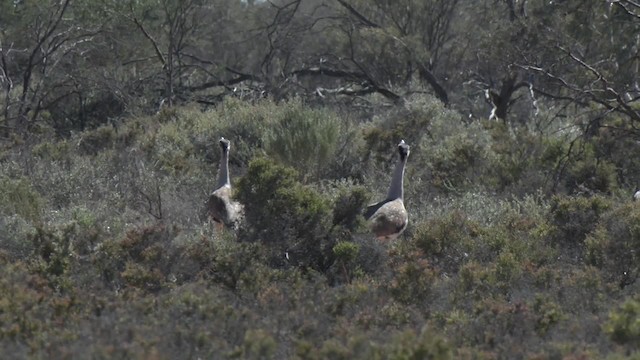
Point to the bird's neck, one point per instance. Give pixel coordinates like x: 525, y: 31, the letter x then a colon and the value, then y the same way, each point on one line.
x: 396, y: 190
x: 223, y: 177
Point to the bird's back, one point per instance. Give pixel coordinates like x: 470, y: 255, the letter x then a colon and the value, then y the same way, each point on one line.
x: 388, y: 218
x: 222, y: 208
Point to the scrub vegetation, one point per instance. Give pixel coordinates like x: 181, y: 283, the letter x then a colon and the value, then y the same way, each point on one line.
x: 523, y: 239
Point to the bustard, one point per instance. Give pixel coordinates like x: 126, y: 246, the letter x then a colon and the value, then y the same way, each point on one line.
x: 389, y: 217
x: 221, y: 207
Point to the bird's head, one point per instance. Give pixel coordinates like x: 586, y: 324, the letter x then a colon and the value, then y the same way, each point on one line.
x: 403, y: 149
x: 225, y: 144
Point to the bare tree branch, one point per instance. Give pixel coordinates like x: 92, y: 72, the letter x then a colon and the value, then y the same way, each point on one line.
x: 358, y: 15
x: 152, y: 40
x: 368, y: 85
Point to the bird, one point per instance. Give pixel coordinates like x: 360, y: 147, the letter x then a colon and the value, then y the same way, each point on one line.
x: 389, y: 218
x: 636, y: 195
x: 222, y: 209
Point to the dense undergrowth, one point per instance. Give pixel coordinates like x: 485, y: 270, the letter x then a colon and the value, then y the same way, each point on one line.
x: 519, y: 245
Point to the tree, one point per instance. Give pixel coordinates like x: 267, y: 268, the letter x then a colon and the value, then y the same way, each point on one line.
x: 38, y: 45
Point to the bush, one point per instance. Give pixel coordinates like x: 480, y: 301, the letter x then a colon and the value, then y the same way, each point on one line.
x: 303, y: 138
x: 17, y: 196
x: 520, y: 159
x: 547, y: 312
x: 143, y: 258
x: 575, y: 217
x: 623, y: 325
x: 615, y: 244
x: 447, y: 239
x: 345, y: 254
x: 592, y: 173
x: 424, y: 345
x: 292, y: 218
x: 54, y: 249
x: 413, y: 278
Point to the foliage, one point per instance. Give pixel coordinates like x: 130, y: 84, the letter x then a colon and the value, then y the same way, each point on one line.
x: 623, y: 325
x: 574, y: 218
x: 102, y: 240
x: 615, y: 244
x: 303, y: 138
x: 292, y: 217
x: 18, y: 197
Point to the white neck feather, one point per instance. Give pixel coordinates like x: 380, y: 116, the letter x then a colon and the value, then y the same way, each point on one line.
x: 223, y: 177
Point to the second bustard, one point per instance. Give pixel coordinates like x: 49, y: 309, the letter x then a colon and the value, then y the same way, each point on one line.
x: 389, y: 218
x: 221, y: 207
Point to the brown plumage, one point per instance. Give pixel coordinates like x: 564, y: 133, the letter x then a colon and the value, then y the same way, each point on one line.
x: 389, y: 218
x: 221, y: 207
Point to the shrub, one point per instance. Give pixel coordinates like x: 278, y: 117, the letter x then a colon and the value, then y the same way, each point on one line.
x: 17, y: 196
x: 172, y: 148
x: 425, y: 345
x: 142, y: 258
x: 292, y: 218
x: 303, y: 138
x: 595, y: 174
x: 345, y: 254
x: 447, y: 240
x: 548, y: 314
x: 258, y: 344
x: 575, y: 217
x: 53, y: 151
x: 53, y: 248
x: 520, y: 158
x: 623, y: 325
x: 452, y: 162
x: 97, y: 140
x: 448, y: 150
x: 615, y: 244
x: 475, y: 282
x: 348, y: 204
x: 413, y: 277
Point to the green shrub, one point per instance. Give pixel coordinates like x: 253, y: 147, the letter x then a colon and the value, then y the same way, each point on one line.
x: 17, y: 196
x: 448, y: 240
x: 452, y: 162
x: 97, y: 140
x: 245, y: 125
x: 258, y: 344
x: 507, y: 267
x: 53, y: 151
x: 413, y: 277
x: 345, y: 254
x: 595, y: 174
x: 427, y: 344
x: 494, y: 319
x: 292, y: 218
x: 303, y: 138
x: 615, y: 244
x: 475, y: 282
x: 419, y: 118
x: 172, y: 147
x: 348, y: 204
x: 143, y: 258
x: 623, y: 325
x: 54, y: 251
x: 575, y: 217
x: 520, y: 159
x: 547, y: 312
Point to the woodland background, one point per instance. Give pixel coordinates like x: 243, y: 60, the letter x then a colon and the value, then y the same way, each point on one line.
x: 522, y: 116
